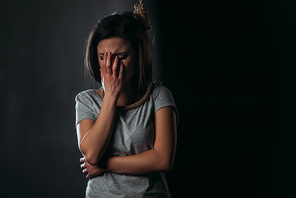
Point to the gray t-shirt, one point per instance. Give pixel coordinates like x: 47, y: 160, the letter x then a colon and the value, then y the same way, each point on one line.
x: 133, y: 134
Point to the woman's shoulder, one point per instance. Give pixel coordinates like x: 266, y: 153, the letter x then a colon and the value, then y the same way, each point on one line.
x: 162, y: 97
x: 86, y: 93
x: 89, y: 94
x: 159, y: 90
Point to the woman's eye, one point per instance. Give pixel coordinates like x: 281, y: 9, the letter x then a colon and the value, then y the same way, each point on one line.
x: 122, y: 57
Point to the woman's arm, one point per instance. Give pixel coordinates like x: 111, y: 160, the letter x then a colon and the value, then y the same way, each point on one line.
x: 160, y: 158
x: 94, y: 136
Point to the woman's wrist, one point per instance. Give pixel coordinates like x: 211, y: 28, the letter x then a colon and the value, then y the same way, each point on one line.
x: 112, y: 100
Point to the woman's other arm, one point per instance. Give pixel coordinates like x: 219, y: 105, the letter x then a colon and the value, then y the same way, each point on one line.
x: 160, y: 158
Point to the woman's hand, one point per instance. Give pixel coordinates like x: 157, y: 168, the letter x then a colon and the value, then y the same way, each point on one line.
x: 112, y: 75
x: 91, y: 171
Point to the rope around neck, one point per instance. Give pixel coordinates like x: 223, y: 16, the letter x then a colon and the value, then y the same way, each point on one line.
x: 140, y: 102
x: 136, y: 104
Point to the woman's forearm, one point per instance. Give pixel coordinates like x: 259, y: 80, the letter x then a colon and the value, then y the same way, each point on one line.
x: 96, y: 140
x: 160, y: 158
x: 140, y: 164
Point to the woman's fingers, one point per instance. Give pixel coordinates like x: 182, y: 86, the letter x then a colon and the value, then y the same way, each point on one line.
x: 120, y: 75
x: 111, y: 65
x: 112, y: 75
x: 103, y: 66
x: 108, y: 63
x: 89, y: 170
x: 115, y: 66
x: 82, y: 165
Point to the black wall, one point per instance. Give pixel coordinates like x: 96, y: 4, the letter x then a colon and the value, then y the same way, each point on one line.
x: 229, y: 64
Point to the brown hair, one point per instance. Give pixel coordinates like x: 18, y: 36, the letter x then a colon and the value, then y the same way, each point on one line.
x: 132, y: 26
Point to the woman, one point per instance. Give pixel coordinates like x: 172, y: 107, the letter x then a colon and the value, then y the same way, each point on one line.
x: 127, y: 129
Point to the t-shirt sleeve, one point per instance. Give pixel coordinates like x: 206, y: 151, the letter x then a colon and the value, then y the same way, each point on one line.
x: 84, y: 107
x: 164, y: 98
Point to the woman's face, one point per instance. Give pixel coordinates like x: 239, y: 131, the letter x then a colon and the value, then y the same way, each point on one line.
x: 121, y: 48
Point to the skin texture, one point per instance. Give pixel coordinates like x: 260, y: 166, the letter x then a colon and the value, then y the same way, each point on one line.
x: 122, y: 49
x: 117, y: 62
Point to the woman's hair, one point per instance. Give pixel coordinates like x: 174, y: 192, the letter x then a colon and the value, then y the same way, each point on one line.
x: 132, y: 26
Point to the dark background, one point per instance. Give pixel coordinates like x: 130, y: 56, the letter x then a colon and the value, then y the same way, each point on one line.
x: 229, y: 64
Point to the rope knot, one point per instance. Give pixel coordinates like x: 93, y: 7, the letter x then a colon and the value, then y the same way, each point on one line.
x: 140, y: 10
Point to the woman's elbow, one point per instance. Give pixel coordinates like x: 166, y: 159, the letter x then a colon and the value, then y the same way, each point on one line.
x: 91, y: 159
x: 89, y: 156
x: 166, y: 165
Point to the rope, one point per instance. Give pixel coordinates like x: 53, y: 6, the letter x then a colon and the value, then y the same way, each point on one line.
x: 140, y: 102
x: 141, y: 11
